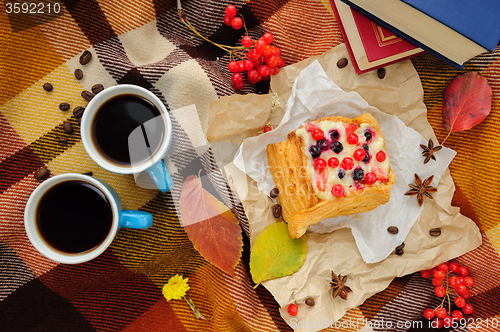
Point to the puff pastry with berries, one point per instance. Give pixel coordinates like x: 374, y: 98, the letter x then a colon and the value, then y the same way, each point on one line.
x: 330, y: 167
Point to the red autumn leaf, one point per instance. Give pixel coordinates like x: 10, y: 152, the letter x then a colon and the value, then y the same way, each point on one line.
x: 467, y: 101
x: 210, y: 225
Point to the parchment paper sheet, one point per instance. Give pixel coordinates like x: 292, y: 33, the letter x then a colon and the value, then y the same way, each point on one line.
x: 234, y: 118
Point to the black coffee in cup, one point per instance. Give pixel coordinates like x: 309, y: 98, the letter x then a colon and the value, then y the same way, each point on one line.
x: 115, y: 120
x: 74, y: 217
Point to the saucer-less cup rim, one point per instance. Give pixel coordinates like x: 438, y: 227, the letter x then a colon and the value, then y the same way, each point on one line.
x: 30, y: 216
x: 90, y: 112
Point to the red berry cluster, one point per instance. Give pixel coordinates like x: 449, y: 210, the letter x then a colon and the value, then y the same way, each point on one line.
x: 449, y: 279
x: 258, y: 62
x: 257, y: 59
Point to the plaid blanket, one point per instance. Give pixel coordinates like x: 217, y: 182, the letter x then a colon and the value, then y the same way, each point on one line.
x: 144, y: 43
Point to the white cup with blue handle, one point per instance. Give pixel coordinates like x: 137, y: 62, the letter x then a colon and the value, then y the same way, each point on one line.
x: 147, y: 144
x: 80, y: 225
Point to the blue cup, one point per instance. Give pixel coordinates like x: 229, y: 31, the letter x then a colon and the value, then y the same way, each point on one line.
x: 156, y: 133
x: 120, y: 219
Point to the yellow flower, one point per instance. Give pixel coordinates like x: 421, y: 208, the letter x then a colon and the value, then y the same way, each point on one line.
x: 176, y: 288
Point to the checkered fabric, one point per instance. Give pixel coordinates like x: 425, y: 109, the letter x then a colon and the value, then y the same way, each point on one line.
x: 143, y: 42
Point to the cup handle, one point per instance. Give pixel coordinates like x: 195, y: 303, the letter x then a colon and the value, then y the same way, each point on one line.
x: 135, y: 219
x: 160, y: 176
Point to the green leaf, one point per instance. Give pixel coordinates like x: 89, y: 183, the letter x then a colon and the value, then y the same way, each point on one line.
x: 275, y: 254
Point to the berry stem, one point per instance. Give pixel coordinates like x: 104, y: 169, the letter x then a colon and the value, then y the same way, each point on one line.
x: 184, y: 19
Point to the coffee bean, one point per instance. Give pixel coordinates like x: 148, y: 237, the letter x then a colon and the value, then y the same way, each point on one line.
x: 274, y: 193
x: 393, y: 230
x: 48, y: 87
x: 62, y: 140
x: 68, y: 127
x: 87, y: 95
x: 435, y: 232
x: 310, y: 302
x: 399, y: 252
x: 78, y: 74
x: 277, y: 211
x: 85, y: 57
x: 87, y: 173
x: 401, y: 246
x: 78, y: 112
x: 381, y: 73
x: 96, y: 88
x: 64, y: 106
x: 342, y: 63
x: 42, y: 173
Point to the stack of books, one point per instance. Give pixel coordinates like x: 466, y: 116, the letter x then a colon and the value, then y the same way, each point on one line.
x: 452, y: 30
x: 369, y: 44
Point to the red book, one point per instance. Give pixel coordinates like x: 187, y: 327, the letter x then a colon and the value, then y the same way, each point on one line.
x: 370, y: 45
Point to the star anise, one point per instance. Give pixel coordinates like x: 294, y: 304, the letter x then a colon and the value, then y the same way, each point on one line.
x: 429, y: 151
x: 421, y: 189
x: 339, y: 287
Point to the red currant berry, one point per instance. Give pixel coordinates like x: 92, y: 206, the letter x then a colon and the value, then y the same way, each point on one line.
x: 440, y: 292
x: 468, y: 281
x: 271, y: 70
x: 463, y: 271
x: 437, y: 323
x: 319, y: 164
x: 439, y: 274
x: 247, y: 65
x: 433, y: 270
x: 273, y: 61
x: 460, y: 289
x: 317, y: 134
x: 246, y: 41
x: 241, y: 66
x: 283, y: 62
x: 227, y: 20
x: 239, y: 85
x: 260, y: 45
x: 371, y: 178
x: 457, y: 314
x: 429, y: 314
x: 253, y: 75
x: 437, y: 281
x: 265, y: 78
x: 466, y: 294
x: 460, y: 280
x: 453, y: 281
x: 253, y: 54
x: 293, y: 310
x: 380, y: 156
x: 454, y: 267
x: 237, y: 78
x: 352, y: 139
x: 276, y: 70
x: 230, y: 11
x: 442, y: 267
x: 440, y: 312
x: 263, y: 71
x: 233, y: 66
x: 236, y: 23
x: 459, y: 301
x: 268, y: 38
x: 426, y: 274
x: 468, y: 309
x: 267, y: 51
x: 359, y: 154
x: 267, y: 129
x: 347, y: 163
x: 276, y: 51
x: 338, y: 190
x: 333, y: 162
x: 447, y: 321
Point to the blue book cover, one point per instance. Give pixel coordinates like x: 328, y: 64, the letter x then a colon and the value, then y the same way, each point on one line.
x: 405, y: 36
x: 478, y: 20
